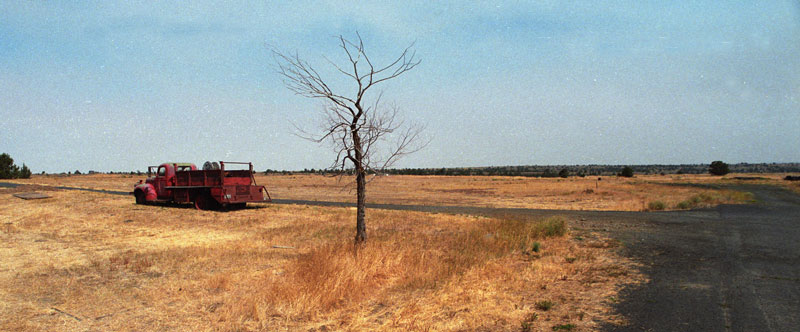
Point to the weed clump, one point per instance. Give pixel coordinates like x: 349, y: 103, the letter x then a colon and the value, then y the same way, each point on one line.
x: 564, y: 327
x: 544, y: 305
x: 656, y: 206
x: 527, y: 324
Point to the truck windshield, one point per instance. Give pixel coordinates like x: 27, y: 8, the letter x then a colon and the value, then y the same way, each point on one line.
x: 162, y: 170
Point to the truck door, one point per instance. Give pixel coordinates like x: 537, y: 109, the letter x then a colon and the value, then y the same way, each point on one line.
x: 161, y: 182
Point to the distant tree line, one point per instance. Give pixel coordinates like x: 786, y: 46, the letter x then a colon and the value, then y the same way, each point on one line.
x: 553, y: 171
x: 598, y: 170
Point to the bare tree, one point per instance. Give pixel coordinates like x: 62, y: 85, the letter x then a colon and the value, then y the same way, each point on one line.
x: 353, y: 124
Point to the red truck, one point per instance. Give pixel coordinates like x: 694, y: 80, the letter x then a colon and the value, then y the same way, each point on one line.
x: 207, y: 189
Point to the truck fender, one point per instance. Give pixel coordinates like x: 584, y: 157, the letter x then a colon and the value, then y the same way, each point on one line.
x: 148, y: 190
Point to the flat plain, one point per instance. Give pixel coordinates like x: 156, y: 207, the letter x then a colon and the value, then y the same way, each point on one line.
x: 92, y: 261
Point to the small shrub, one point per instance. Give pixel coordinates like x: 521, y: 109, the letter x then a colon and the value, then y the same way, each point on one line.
x: 553, y: 226
x: 684, y: 205
x: 706, y: 197
x: 742, y: 196
x: 527, y: 324
x: 536, y: 247
x: 656, y: 206
x: 627, y: 172
x: 544, y: 305
x: 565, y: 327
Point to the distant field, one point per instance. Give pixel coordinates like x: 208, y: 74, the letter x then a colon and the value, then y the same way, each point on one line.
x: 90, y: 261
x: 574, y: 193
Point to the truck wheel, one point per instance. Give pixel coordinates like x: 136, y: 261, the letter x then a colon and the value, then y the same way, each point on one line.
x: 204, y: 202
x: 140, y: 198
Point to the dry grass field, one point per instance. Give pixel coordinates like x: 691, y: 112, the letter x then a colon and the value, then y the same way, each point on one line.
x: 82, y: 261
x: 91, y: 261
x: 641, y: 193
x: 575, y: 193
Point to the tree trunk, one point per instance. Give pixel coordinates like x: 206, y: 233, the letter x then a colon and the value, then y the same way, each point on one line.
x: 361, y: 183
x: 361, y: 188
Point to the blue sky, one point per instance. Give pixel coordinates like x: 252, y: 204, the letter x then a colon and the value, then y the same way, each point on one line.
x: 119, y: 86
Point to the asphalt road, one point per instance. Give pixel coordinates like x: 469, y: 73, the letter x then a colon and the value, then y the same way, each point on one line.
x: 730, y: 268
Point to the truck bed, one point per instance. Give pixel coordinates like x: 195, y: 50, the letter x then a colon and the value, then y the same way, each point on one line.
x: 212, y: 178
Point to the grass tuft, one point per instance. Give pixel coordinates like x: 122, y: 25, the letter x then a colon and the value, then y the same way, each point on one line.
x: 527, y: 323
x: 544, y: 305
x: 656, y: 206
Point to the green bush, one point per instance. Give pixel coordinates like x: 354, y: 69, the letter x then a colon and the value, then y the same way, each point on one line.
x: 656, y: 206
x: 25, y: 172
x: 718, y: 168
x: 626, y: 172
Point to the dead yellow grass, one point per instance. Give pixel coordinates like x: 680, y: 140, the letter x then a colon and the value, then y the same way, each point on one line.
x: 88, y: 261
x: 575, y: 193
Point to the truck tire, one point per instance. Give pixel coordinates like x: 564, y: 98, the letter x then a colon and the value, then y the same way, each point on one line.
x: 205, y: 202
x: 140, y: 197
